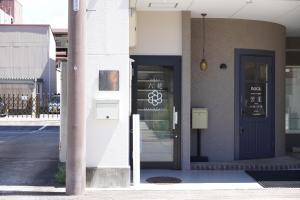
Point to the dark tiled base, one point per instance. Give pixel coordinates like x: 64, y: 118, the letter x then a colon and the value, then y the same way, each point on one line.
x: 272, y: 164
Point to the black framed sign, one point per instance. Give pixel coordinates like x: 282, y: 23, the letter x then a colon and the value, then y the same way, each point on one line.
x: 255, y: 99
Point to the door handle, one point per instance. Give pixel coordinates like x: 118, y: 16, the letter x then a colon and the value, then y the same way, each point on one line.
x: 242, y: 112
x: 175, y: 118
x: 242, y: 130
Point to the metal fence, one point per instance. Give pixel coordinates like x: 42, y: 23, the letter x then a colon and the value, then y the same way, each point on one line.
x: 29, y: 106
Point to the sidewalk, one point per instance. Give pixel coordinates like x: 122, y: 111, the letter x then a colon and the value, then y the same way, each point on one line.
x: 254, y: 194
x: 235, y: 185
x: 51, y: 120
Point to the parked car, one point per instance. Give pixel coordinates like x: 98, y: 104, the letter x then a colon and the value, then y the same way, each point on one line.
x: 54, y: 104
x: 3, y: 108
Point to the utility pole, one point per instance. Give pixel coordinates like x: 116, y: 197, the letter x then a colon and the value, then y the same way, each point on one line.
x: 76, y: 142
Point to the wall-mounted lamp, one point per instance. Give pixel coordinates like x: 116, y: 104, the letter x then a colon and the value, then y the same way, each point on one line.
x: 203, y: 63
x: 223, y: 66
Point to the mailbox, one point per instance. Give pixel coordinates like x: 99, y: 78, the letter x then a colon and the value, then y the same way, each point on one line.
x: 107, y: 109
x: 199, y: 118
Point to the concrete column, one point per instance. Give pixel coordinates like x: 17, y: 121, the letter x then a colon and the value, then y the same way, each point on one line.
x: 107, y: 49
x: 63, y: 113
x: 186, y: 91
x: 76, y: 147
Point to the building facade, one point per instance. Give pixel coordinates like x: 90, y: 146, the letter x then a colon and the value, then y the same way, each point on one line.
x: 144, y: 58
x: 27, y: 59
x: 13, y: 8
x: 5, y: 18
x: 61, y: 41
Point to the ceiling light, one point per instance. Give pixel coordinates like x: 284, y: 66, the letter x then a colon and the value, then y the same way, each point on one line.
x: 163, y: 5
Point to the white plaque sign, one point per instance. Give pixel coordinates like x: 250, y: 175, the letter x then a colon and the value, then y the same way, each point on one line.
x: 76, y: 5
x: 24, y: 98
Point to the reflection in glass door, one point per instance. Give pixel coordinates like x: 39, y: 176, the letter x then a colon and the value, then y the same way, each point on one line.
x: 156, y: 98
x: 155, y: 105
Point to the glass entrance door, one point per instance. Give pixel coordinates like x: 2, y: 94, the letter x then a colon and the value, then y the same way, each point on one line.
x: 155, y: 106
x: 155, y: 100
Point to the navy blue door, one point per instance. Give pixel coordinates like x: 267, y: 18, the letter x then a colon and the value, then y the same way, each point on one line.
x: 255, y: 104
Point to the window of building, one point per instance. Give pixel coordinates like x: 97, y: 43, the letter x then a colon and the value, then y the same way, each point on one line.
x: 292, y: 113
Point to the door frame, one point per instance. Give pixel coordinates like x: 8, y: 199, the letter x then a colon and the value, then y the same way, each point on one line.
x: 167, y: 61
x: 238, y: 53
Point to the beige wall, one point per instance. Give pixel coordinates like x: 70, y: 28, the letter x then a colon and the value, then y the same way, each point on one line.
x: 158, y: 33
x: 214, y: 88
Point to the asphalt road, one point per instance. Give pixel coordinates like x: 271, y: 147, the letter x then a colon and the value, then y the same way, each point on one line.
x: 28, y: 155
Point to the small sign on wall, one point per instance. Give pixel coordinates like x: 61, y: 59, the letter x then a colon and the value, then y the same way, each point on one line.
x: 109, y: 80
x: 24, y: 98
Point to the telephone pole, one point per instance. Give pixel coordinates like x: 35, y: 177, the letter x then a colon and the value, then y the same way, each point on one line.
x: 76, y: 144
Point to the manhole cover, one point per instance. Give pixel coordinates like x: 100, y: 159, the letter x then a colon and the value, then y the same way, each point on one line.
x: 163, y: 179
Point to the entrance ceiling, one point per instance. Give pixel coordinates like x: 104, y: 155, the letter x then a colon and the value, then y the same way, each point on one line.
x: 285, y: 12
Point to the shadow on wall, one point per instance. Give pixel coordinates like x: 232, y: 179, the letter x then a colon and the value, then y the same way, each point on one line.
x: 49, y: 78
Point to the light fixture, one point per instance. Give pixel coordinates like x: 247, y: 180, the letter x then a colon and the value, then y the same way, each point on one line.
x: 249, y: 1
x: 164, y: 5
x: 203, y: 63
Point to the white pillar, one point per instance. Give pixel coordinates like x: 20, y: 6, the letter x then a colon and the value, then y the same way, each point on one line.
x: 136, y: 150
x: 63, y: 113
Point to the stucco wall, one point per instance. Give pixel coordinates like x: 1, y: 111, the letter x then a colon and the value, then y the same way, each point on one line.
x: 107, y: 49
x: 214, y: 88
x: 158, y: 33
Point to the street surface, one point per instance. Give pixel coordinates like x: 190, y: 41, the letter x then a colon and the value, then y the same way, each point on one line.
x: 29, y: 158
x: 28, y: 155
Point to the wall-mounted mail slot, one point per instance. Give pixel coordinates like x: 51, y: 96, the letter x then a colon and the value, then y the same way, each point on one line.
x: 107, y: 109
x: 199, y: 118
